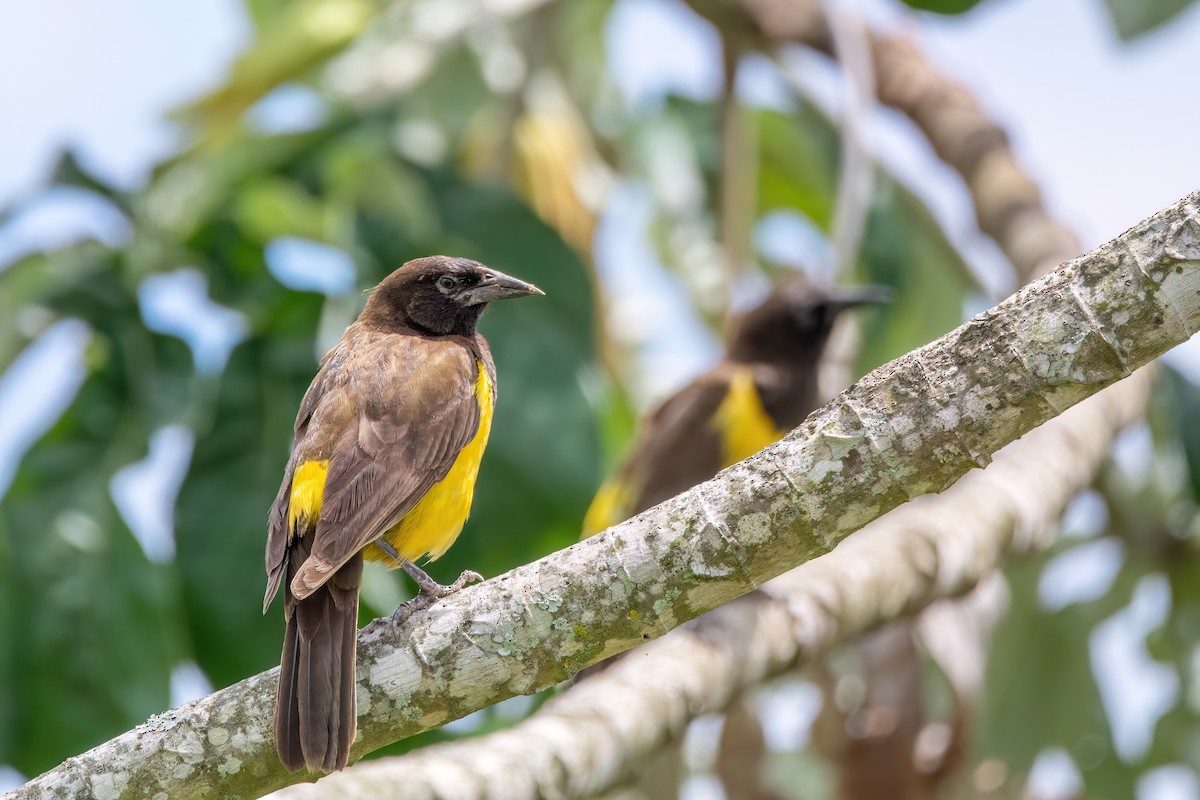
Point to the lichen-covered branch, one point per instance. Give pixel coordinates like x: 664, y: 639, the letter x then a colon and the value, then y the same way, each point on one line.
x: 589, y: 739
x: 912, y: 427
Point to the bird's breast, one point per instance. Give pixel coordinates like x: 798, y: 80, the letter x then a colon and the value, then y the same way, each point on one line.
x: 435, y: 522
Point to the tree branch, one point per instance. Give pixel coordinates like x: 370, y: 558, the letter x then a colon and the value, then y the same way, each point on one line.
x: 856, y: 174
x: 912, y: 427
x: 596, y: 735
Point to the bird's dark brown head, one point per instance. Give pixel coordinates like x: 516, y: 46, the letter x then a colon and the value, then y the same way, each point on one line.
x: 794, y: 322
x: 440, y: 295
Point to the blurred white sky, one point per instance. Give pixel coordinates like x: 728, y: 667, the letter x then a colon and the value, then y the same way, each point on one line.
x: 101, y: 75
x: 1107, y: 128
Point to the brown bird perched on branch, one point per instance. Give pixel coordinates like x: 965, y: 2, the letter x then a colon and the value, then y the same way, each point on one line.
x: 387, y: 446
x: 764, y: 387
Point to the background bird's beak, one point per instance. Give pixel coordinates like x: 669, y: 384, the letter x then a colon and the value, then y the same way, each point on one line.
x: 498, y: 286
x: 843, y: 297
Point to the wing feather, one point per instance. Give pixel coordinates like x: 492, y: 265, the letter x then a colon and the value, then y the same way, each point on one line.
x: 680, y: 447
x: 412, y: 421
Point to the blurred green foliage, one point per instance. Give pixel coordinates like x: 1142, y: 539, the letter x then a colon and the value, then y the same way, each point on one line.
x: 1133, y: 18
x: 421, y: 149
x: 943, y: 6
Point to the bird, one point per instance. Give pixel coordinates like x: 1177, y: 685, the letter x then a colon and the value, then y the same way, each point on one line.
x: 765, y: 386
x: 387, y: 446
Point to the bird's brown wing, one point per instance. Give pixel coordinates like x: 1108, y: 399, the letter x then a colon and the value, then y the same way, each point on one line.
x: 416, y: 408
x: 680, y: 446
x: 327, y: 391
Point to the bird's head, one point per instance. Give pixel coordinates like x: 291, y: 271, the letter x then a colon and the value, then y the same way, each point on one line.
x: 441, y: 295
x: 795, y: 320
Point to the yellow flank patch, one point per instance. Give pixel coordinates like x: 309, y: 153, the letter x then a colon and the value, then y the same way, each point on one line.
x: 435, y: 522
x: 742, y: 421
x: 308, y: 485
x: 610, y: 506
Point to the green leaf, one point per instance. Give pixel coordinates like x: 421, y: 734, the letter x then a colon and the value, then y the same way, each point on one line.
x: 1133, y: 18
x: 194, y: 189
x: 241, y: 447
x: 1180, y: 401
x: 91, y: 632
x: 1177, y: 735
x: 798, y: 157
x: 274, y: 206
x: 309, y: 34
x: 904, y: 247
x: 583, y: 23
x: 31, y: 284
x: 266, y: 13
x: 69, y: 172
x: 943, y: 6
x: 361, y: 169
x: 451, y: 97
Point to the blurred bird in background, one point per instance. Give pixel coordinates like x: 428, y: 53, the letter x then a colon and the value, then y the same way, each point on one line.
x: 765, y: 386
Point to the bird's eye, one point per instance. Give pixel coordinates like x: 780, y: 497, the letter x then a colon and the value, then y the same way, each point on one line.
x: 446, y: 282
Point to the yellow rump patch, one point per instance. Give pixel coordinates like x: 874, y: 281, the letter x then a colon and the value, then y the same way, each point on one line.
x: 742, y: 421
x: 308, y: 486
x: 435, y: 522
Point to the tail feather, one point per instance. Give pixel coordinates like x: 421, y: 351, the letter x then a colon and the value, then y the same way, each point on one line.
x: 287, y: 702
x: 348, y: 704
x: 315, y: 719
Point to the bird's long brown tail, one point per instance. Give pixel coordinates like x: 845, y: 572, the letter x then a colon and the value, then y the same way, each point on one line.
x: 315, y: 716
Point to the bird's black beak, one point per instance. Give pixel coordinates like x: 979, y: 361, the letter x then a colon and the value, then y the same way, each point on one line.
x: 497, y: 286
x: 843, y: 297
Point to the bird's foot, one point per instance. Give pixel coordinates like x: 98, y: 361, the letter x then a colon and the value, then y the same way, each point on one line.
x: 429, y: 591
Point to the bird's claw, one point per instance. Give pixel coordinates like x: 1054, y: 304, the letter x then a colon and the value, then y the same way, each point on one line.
x: 467, y: 576
x: 410, y: 607
x: 429, y: 591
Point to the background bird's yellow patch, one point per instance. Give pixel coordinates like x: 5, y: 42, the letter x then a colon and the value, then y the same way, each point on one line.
x: 610, y: 506
x: 742, y: 421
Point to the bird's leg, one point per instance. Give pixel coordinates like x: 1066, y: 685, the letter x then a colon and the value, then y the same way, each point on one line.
x: 430, y: 590
x: 386, y: 546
